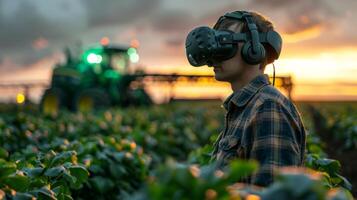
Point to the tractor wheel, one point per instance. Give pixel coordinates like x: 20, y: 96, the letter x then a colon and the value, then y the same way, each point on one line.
x: 92, y: 99
x: 141, y: 97
x: 52, y: 101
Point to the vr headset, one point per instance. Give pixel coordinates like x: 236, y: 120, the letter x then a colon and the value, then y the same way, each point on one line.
x: 206, y: 46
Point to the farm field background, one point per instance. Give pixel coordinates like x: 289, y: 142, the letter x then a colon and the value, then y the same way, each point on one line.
x: 162, y: 152
x: 125, y: 56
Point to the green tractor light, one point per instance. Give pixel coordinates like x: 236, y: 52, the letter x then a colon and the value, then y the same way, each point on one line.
x: 93, y: 58
x: 132, y: 50
x: 133, y: 55
x: 134, y: 58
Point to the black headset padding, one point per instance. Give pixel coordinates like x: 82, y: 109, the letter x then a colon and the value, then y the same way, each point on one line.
x: 274, y: 40
x: 248, y: 54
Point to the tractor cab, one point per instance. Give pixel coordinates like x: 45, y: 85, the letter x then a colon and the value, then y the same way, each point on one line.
x: 110, y: 57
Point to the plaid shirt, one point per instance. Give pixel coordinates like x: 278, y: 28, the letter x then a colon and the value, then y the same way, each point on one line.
x: 264, y: 125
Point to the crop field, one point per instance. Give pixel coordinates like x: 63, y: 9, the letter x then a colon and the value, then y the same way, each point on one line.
x: 162, y: 152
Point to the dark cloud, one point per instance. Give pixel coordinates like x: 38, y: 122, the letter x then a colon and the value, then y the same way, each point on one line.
x: 172, y: 28
x: 334, y: 19
x: 27, y: 23
x: 296, y: 16
x: 176, y: 21
x: 20, y: 31
x: 108, y: 12
x: 59, y: 22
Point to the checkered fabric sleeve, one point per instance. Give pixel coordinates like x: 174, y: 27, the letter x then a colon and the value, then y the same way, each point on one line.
x: 274, y: 141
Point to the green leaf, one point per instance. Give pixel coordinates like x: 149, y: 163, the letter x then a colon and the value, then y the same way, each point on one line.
x: 117, y: 170
x: 64, y: 197
x: 62, y: 191
x: 34, y: 172
x: 345, y: 183
x: 59, y: 189
x: 23, y: 196
x: 6, y: 168
x: 80, y: 172
x: 69, y: 178
x: 17, y: 182
x: 55, y: 171
x: 239, y: 169
x: 329, y: 165
x: 97, y: 169
x: 102, y: 184
x: 38, y: 182
x: 44, y: 194
x: 3, y: 153
x: 62, y: 158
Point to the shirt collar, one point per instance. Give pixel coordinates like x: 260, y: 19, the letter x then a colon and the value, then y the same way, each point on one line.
x: 242, y: 96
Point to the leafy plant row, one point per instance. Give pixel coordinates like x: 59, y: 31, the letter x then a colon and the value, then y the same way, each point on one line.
x: 119, y: 154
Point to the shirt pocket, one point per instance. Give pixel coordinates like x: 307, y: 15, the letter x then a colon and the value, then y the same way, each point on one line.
x: 231, y: 145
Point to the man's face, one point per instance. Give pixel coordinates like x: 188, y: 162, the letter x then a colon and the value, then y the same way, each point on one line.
x: 233, y: 68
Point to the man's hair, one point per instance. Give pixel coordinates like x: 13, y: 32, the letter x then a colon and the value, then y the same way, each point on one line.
x: 263, y: 25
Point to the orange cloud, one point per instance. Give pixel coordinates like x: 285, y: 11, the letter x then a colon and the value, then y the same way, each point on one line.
x: 306, y: 34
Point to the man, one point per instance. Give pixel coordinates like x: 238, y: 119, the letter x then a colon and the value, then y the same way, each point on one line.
x: 261, y: 123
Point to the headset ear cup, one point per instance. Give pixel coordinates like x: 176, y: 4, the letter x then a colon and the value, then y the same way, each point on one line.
x: 249, y: 56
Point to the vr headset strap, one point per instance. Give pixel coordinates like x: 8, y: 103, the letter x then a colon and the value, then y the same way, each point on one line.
x: 241, y: 37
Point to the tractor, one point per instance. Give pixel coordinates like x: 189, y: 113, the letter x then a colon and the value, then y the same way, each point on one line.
x: 98, y: 79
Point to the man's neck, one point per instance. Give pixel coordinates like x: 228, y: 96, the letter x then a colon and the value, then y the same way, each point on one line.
x: 242, y: 81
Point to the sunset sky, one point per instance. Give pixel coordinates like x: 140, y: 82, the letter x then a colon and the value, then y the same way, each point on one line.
x: 319, y: 37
